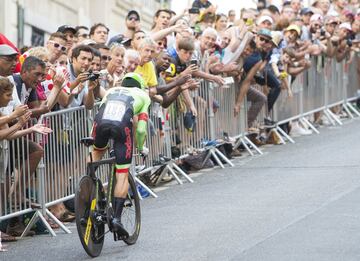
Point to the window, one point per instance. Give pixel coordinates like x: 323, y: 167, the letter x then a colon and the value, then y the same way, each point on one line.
x: 37, y: 37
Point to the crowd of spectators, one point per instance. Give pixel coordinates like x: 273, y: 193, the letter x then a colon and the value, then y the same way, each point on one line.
x: 261, y: 47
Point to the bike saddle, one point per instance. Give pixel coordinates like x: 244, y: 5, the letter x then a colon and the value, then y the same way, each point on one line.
x: 87, y: 141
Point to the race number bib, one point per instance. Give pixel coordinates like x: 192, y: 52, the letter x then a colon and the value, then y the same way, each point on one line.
x: 114, y: 111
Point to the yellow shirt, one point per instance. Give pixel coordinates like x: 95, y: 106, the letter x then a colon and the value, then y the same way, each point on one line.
x: 147, y: 71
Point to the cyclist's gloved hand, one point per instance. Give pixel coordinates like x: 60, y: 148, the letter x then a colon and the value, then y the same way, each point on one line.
x: 144, y: 152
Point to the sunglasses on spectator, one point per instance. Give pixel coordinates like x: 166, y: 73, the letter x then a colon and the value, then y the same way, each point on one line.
x: 58, y: 46
x: 265, y: 40
x: 133, y: 18
x: 105, y: 58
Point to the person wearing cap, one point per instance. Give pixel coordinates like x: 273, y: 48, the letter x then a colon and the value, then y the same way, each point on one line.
x: 264, y: 45
x: 305, y: 15
x: 132, y: 23
x: 120, y: 107
x: 69, y: 33
x: 99, y: 33
x: 344, y: 32
x: 265, y: 21
x: 8, y: 60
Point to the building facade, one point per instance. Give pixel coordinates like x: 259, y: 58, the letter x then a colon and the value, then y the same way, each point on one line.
x: 29, y: 22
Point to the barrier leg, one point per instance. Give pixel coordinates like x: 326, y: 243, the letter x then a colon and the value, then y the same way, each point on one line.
x: 174, y: 175
x: 334, y: 117
x: 308, y: 123
x: 32, y: 222
x: 285, y: 134
x: 221, y: 155
x: 61, y: 225
x: 329, y: 117
x: 348, y: 112
x: 178, y: 169
x: 212, y: 152
x: 279, y: 136
x: 243, y: 142
x: 353, y: 109
x: 145, y: 187
x: 253, y: 145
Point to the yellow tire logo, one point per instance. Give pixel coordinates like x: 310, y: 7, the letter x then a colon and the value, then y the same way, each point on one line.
x: 89, y: 223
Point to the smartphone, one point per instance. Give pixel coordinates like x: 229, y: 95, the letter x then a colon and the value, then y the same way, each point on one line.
x: 194, y: 11
x: 193, y: 62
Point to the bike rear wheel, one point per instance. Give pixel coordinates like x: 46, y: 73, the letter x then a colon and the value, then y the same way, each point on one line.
x: 87, y: 208
x: 131, y: 216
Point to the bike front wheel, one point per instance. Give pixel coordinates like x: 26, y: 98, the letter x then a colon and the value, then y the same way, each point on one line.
x: 131, y: 216
x: 88, y: 198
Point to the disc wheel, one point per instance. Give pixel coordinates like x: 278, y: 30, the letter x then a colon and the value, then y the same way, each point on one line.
x: 91, y: 231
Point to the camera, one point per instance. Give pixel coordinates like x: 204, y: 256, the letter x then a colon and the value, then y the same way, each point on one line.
x: 93, y: 76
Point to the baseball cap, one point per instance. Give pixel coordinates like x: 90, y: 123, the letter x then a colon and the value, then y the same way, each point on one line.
x: 133, y: 80
x: 264, y: 18
x: 295, y: 28
x: 316, y: 17
x: 6, y: 50
x: 64, y: 28
x: 133, y: 12
x: 346, y: 26
x: 264, y: 32
x: 330, y: 19
x: 305, y: 11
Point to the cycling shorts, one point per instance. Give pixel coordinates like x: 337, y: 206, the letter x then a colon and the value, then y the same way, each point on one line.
x: 119, y: 129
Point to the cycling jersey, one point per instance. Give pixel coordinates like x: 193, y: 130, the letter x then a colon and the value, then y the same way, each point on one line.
x: 115, y: 121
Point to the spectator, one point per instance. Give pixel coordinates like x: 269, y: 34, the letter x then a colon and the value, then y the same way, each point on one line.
x: 132, y: 23
x: 105, y: 55
x: 82, y: 33
x: 99, y: 33
x: 265, y: 22
x: 137, y: 39
x: 231, y: 16
x: 146, y: 68
x: 79, y: 92
x: 56, y: 45
x: 69, y: 33
x: 131, y: 60
x: 221, y: 22
x: 161, y: 20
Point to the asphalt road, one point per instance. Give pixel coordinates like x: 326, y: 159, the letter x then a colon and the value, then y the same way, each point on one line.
x: 296, y: 202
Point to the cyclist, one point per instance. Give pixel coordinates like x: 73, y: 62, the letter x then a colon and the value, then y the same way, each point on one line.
x: 115, y: 121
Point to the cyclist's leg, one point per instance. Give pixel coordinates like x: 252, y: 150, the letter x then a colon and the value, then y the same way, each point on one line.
x: 123, y: 141
x: 100, y: 132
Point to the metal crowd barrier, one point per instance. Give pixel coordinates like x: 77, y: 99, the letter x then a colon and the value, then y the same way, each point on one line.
x: 327, y: 84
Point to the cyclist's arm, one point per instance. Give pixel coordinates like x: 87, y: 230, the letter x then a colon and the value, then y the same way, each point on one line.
x: 142, y: 113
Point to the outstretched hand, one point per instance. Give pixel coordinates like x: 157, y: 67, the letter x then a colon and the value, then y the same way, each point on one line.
x: 41, y: 129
